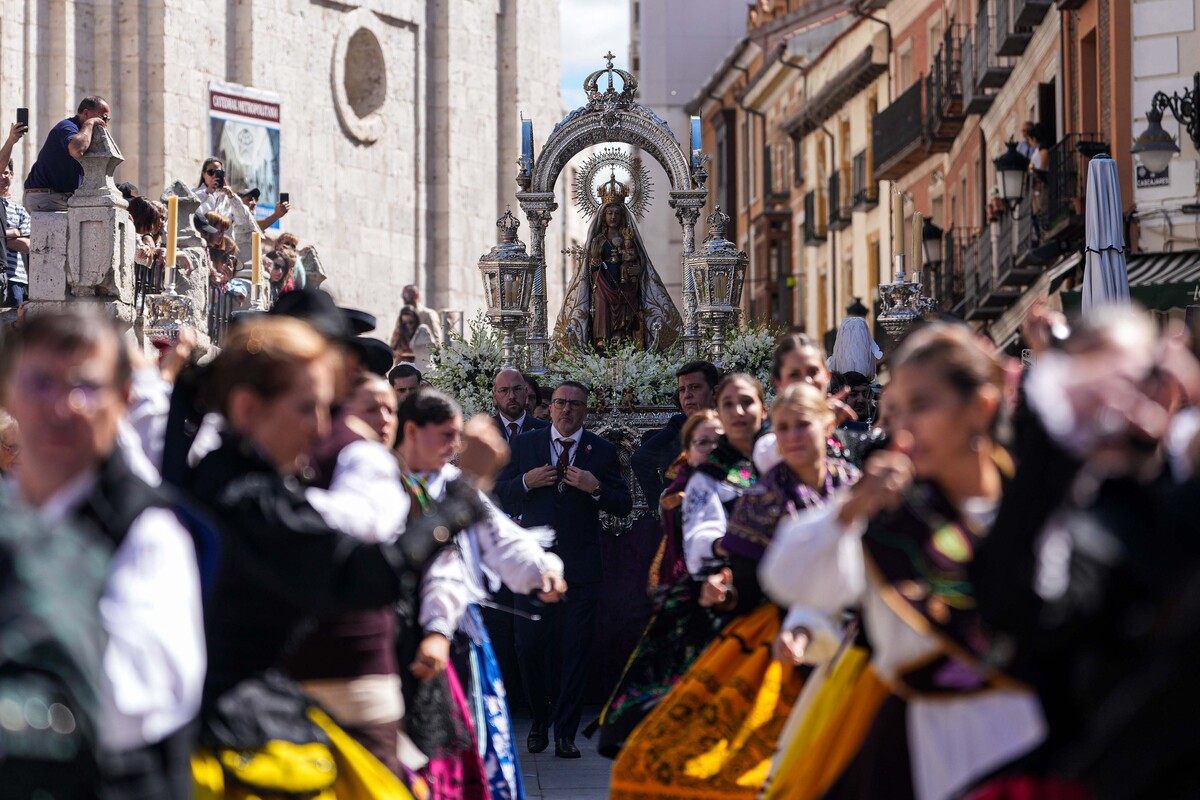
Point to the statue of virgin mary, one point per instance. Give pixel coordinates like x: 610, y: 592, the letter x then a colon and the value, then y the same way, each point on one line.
x: 616, y: 294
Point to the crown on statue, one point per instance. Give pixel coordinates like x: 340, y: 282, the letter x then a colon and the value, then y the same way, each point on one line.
x: 613, y: 191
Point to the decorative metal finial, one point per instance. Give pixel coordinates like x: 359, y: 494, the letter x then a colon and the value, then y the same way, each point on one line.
x: 508, y: 225
x: 717, y: 221
x: 609, y: 58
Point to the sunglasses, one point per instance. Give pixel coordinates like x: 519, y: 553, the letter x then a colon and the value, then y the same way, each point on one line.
x: 211, y: 172
x: 106, y: 117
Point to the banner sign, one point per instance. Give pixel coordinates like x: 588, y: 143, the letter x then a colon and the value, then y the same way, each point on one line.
x: 244, y: 129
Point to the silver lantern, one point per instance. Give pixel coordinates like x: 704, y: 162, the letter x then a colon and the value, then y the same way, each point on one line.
x: 718, y: 271
x: 508, y: 282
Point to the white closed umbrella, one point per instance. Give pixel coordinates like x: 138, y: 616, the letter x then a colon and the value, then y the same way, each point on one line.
x: 1105, y: 280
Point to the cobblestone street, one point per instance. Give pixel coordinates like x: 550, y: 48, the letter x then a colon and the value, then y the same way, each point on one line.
x: 550, y: 778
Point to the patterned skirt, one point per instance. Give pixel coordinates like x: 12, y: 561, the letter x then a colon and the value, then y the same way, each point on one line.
x: 714, y: 734
x: 824, y: 734
x: 674, y: 638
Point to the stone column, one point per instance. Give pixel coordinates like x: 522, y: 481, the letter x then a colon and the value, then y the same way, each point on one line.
x: 87, y: 252
x: 687, y: 205
x: 538, y: 208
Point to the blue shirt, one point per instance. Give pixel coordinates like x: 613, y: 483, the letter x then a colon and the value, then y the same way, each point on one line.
x: 56, y: 169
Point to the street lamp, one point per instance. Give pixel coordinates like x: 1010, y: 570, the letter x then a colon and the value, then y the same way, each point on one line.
x: 931, y: 242
x: 1155, y: 146
x: 1011, y: 168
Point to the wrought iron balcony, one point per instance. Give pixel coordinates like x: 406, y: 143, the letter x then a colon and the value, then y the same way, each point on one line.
x: 866, y: 190
x: 897, y: 138
x: 951, y: 288
x: 1011, y: 38
x: 969, y: 249
x: 1030, y: 12
x: 992, y: 295
x: 815, y: 229
x: 839, y: 204
x: 944, y: 115
x: 984, y: 69
x: 1064, y: 185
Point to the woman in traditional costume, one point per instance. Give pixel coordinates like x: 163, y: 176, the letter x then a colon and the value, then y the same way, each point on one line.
x: 898, y: 546
x: 680, y: 628
x: 714, y: 734
x: 281, y: 565
x: 459, y: 716
x: 618, y: 295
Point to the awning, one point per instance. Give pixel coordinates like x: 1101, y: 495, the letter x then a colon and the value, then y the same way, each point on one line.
x: 1158, y: 281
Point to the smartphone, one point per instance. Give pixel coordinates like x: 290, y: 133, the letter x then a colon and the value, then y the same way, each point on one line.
x: 283, y: 197
x: 219, y: 176
x: 23, y: 116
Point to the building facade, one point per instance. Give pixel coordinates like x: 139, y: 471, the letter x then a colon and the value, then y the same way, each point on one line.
x: 674, y: 45
x: 398, y: 121
x: 827, y: 114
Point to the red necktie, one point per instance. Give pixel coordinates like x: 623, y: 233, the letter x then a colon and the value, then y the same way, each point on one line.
x: 512, y: 430
x: 564, y: 457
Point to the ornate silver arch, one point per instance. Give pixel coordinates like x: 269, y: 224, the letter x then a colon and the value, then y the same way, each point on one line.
x: 610, y: 116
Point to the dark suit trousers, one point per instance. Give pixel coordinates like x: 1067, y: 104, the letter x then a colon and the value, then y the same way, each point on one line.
x: 535, y: 650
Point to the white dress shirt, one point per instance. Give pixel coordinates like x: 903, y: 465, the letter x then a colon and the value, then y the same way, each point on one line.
x: 505, y: 422
x: 556, y: 449
x: 154, y: 659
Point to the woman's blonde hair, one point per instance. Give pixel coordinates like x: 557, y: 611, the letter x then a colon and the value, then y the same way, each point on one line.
x: 263, y: 355
x: 805, y: 399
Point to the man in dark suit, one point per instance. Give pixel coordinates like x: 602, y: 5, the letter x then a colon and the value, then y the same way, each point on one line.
x: 509, y: 393
x: 563, y: 477
x: 697, y: 391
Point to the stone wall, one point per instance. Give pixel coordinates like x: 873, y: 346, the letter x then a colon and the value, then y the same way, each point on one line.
x: 408, y: 194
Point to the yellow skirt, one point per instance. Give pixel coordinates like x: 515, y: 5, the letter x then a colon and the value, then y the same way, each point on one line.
x: 714, y: 734
x: 360, y: 776
x: 831, y: 732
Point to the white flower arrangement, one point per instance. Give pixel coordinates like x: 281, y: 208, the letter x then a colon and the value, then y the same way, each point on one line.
x: 649, y: 376
x: 751, y: 350
x: 465, y: 366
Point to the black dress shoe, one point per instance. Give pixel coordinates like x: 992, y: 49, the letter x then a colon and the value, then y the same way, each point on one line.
x: 565, y: 748
x: 538, y: 739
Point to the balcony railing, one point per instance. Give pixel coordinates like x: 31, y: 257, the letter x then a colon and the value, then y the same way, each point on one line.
x: 146, y: 280
x: 984, y: 69
x: 970, y: 272
x: 1030, y: 12
x: 1064, y: 184
x: 866, y: 190
x: 1011, y: 38
x: 951, y: 291
x: 944, y: 114
x: 897, y: 138
x: 839, y: 204
x: 815, y: 229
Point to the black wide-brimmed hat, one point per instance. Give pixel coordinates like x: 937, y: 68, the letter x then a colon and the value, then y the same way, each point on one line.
x: 317, y: 309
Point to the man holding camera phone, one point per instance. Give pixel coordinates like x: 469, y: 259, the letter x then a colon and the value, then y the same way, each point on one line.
x: 57, y: 172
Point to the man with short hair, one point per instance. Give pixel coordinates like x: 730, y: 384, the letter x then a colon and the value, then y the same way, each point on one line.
x: 405, y: 379
x: 697, y: 384
x: 510, y: 391
x: 57, y: 172
x: 16, y: 242
x: 1025, y: 146
x: 562, y: 476
x: 65, y: 378
x: 429, y: 317
x: 859, y: 398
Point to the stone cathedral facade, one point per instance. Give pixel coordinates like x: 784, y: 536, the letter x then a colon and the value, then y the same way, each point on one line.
x: 398, y: 120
